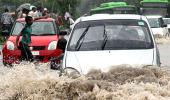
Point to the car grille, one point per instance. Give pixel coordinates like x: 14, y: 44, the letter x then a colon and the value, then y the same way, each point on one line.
x: 38, y: 47
x: 39, y: 58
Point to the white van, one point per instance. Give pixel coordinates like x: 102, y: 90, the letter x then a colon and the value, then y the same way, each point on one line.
x: 157, y: 25
x: 101, y: 41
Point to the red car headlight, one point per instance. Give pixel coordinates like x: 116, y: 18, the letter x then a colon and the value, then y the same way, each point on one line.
x: 10, y: 45
x: 52, y: 45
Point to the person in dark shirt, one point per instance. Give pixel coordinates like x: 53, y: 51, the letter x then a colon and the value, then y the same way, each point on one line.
x: 7, y: 22
x: 23, y: 45
x: 45, y: 12
x: 62, y: 41
x: 26, y: 40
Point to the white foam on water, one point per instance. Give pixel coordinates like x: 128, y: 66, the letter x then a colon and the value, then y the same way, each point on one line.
x: 38, y: 82
x: 163, y: 40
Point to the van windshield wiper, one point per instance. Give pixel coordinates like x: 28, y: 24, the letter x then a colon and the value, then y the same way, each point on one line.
x: 80, y: 41
x: 105, y: 38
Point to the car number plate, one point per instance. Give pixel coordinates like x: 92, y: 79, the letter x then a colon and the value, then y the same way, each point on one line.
x: 35, y: 53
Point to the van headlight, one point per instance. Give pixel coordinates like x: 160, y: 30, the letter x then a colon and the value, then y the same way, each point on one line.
x: 71, y: 72
x: 10, y: 45
x: 52, y: 45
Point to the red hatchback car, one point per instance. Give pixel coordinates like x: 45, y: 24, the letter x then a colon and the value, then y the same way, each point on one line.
x: 44, y: 37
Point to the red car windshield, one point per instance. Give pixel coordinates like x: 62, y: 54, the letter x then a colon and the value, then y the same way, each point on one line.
x: 38, y: 28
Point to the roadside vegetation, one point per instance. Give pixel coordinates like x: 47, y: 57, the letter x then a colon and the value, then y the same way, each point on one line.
x: 2, y: 40
x: 76, y: 8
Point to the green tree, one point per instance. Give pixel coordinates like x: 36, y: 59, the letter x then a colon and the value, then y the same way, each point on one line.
x: 68, y: 5
x: 56, y: 6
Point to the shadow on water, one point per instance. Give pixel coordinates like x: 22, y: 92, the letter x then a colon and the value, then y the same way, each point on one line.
x: 27, y: 81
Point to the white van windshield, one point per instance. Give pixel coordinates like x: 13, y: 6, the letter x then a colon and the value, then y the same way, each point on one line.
x: 109, y: 35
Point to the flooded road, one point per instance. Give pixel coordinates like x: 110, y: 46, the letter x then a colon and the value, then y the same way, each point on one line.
x: 29, y: 82
x: 164, y: 50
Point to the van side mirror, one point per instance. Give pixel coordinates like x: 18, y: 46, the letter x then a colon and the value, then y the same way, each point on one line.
x: 63, y: 32
x: 164, y: 25
x: 62, y: 44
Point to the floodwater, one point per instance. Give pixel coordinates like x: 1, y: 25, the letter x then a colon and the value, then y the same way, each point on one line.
x: 27, y: 81
x: 164, y: 48
x: 38, y: 82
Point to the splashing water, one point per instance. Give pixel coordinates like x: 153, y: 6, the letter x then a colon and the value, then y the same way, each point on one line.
x: 162, y: 40
x: 29, y: 82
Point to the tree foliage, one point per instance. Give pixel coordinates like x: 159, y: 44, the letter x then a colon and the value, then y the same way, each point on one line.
x: 56, y: 6
x: 75, y: 7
